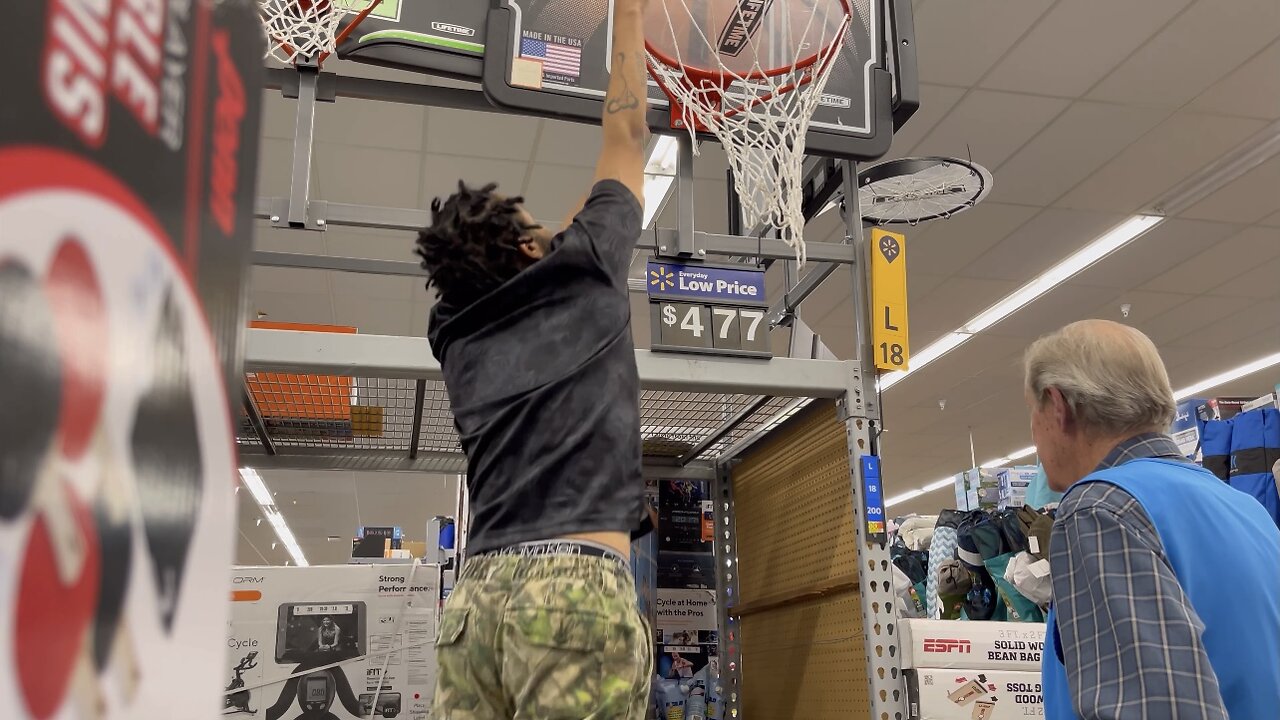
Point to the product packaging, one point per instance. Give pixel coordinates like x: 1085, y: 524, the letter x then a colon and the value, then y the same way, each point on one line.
x: 971, y: 645
x: 338, y: 642
x: 936, y: 694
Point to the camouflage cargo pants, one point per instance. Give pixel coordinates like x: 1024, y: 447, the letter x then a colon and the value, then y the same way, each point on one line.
x: 555, y: 637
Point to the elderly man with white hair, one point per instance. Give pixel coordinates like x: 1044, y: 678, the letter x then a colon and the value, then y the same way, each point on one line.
x: 1166, y: 582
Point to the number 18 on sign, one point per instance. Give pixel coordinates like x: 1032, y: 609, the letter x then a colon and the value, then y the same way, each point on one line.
x: 889, y: 300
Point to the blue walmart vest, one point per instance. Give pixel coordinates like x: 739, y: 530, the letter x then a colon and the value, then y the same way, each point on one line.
x: 1225, y: 552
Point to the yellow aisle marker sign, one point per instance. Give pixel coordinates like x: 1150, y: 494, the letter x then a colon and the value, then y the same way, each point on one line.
x: 889, y: 300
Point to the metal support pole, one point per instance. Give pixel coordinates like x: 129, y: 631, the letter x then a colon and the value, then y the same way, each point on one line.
x: 303, y: 141
x: 861, y: 414
x: 419, y: 399
x: 686, y: 243
x: 729, y: 686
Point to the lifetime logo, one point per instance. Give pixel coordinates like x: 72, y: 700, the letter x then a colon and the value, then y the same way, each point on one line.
x: 947, y: 646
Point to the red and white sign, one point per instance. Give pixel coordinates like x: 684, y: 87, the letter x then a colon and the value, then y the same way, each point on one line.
x: 976, y: 645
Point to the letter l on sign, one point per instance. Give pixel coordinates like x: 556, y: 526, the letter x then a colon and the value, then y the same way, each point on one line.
x: 891, y: 350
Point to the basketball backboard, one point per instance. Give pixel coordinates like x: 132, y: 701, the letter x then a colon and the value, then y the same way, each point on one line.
x: 571, y: 38
x: 440, y: 37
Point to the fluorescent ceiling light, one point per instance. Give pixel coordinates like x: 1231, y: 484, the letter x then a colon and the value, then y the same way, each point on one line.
x: 1228, y: 376
x: 258, y: 488
x: 1107, y: 243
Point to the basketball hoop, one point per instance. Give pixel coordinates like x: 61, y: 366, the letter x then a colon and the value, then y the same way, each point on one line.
x: 914, y: 190
x: 751, y: 72
x: 309, y: 30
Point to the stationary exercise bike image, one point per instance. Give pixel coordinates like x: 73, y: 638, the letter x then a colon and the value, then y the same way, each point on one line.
x: 237, y: 700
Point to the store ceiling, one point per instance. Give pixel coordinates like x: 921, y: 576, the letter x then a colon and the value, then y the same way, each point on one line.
x: 1086, y: 111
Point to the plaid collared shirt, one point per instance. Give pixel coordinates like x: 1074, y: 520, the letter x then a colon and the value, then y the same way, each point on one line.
x: 1129, y: 637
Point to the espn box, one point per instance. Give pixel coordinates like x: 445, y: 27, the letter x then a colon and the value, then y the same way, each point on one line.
x: 341, y: 642
x: 971, y: 645
x: 934, y: 694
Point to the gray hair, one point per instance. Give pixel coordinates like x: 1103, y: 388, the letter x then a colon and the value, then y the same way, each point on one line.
x: 1110, y: 374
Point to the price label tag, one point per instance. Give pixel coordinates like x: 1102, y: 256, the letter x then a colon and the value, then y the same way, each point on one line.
x: 685, y: 325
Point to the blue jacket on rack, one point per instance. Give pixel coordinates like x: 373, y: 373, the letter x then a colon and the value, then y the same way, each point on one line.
x: 1255, y: 447
x: 1225, y: 552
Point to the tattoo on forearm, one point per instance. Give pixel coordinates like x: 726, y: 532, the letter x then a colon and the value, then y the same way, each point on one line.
x: 624, y: 99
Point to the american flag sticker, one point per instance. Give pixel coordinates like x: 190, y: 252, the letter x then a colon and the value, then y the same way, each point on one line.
x: 558, y: 58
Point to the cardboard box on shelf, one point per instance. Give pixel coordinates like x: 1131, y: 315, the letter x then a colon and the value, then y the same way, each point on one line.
x: 938, y: 694
x: 1186, y: 427
x: 369, y: 630
x: 971, y: 645
x: 977, y: 489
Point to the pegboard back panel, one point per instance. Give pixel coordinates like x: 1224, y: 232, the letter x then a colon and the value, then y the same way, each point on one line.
x: 805, y: 662
x: 802, y: 642
x: 792, y: 508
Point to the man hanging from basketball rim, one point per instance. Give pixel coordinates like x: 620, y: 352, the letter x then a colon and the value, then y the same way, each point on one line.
x: 533, y: 333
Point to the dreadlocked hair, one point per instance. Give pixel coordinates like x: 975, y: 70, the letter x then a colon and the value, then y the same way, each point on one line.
x: 472, y: 244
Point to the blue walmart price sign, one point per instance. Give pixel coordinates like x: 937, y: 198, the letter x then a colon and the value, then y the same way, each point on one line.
x: 873, y: 499
x: 707, y: 309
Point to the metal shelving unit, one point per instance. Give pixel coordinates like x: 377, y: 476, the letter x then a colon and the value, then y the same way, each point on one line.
x: 701, y: 415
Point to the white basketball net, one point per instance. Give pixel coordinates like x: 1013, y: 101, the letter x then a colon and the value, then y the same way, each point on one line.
x: 761, y: 122
x: 304, y: 29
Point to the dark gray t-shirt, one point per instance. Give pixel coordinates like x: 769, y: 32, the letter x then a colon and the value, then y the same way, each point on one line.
x: 542, y: 378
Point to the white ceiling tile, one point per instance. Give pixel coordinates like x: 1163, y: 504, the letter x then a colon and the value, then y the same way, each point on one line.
x: 1221, y: 261
x: 990, y: 126
x: 957, y: 42
x: 553, y: 190
x: 1231, y: 335
x: 287, y: 240
x: 1273, y: 221
x: 366, y: 176
x: 935, y: 102
x: 940, y: 246
x: 275, y: 160
x: 311, y: 308
x: 710, y: 162
x: 441, y: 173
x: 1171, y: 152
x: 1143, y: 305
x: 1161, y: 248
x: 1169, y: 71
x: 369, y: 123
x: 1188, y: 318
x: 487, y: 135
x: 1250, y: 198
x: 372, y: 244
x: 279, y: 115
x: 956, y: 300
x: 1077, y: 143
x: 569, y: 143
x: 833, y: 296
x: 1044, y: 240
x: 1061, y: 306
x: 374, y: 317
x: 288, y: 280
x: 1252, y: 90
x: 1258, y: 281
x: 1048, y: 59
x: 375, y: 287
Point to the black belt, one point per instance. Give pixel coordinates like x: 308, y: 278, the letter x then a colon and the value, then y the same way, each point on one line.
x: 547, y: 548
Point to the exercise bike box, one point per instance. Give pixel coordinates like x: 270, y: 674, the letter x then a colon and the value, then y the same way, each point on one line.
x: 337, y: 642
x: 934, y: 694
x: 973, y: 645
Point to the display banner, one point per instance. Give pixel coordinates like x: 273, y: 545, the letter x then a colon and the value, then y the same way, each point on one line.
x: 127, y: 161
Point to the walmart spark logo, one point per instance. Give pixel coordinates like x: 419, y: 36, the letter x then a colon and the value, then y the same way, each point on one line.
x: 662, y: 278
